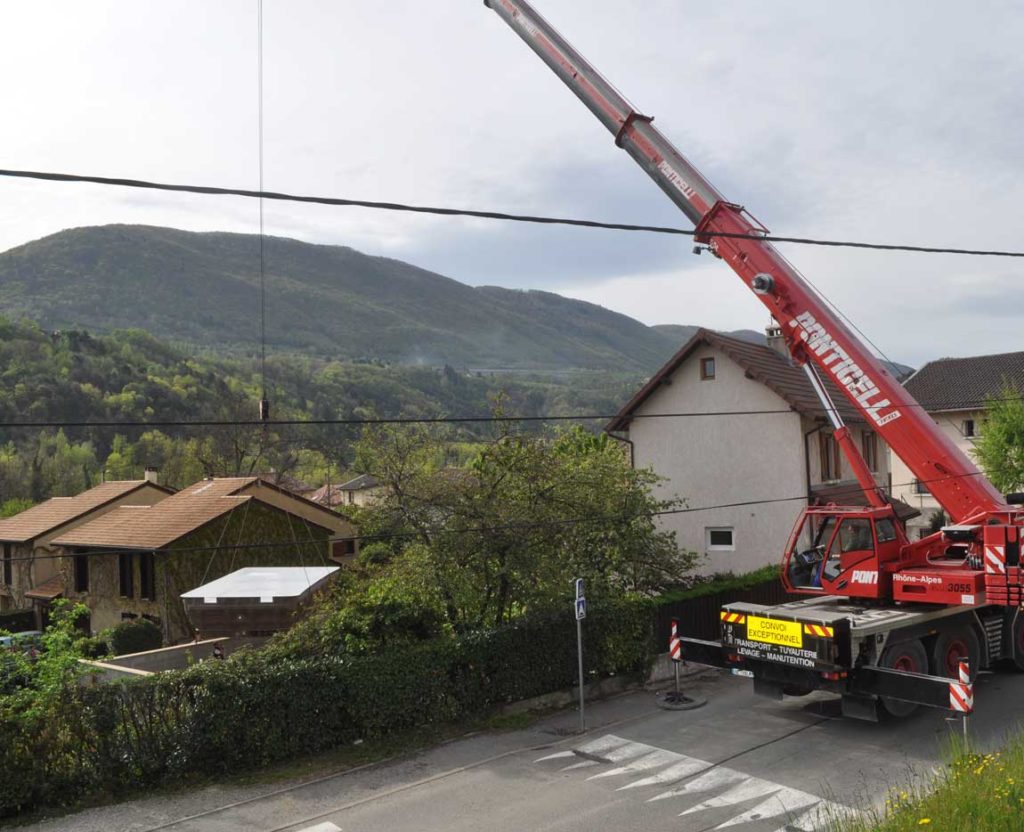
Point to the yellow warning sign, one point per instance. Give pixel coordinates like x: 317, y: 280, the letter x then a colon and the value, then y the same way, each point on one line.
x: 786, y: 633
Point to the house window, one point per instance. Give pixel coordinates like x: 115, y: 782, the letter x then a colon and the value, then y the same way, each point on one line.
x: 968, y: 428
x: 147, y: 576
x: 8, y: 565
x: 920, y: 487
x: 81, y: 573
x: 343, y: 548
x: 869, y: 450
x: 351, y: 498
x: 831, y: 463
x: 126, y: 575
x: 719, y: 539
x: 707, y: 368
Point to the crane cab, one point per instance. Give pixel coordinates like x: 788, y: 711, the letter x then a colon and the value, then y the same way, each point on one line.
x: 839, y: 550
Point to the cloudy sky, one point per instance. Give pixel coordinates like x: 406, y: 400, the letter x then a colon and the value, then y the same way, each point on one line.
x: 878, y: 121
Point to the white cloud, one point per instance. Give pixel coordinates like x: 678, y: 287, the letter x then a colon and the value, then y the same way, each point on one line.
x: 878, y: 121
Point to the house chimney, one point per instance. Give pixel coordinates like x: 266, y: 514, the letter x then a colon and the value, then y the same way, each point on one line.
x: 152, y: 475
x: 774, y: 339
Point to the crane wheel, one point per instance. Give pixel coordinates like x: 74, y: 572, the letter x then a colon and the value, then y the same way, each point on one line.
x: 911, y: 657
x: 952, y: 645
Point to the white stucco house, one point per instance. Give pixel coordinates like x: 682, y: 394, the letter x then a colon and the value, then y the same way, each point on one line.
x: 746, y: 469
x: 954, y: 392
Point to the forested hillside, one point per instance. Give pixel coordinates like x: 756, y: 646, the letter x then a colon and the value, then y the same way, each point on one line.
x: 71, y: 376
x: 324, y: 300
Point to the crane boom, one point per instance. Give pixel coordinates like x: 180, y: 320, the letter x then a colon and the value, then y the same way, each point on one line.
x: 813, y: 332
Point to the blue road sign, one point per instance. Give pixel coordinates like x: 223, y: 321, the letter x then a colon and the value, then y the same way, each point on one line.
x: 579, y: 587
x: 581, y: 608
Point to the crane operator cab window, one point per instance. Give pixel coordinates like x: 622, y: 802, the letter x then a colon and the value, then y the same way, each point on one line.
x: 852, y: 544
x: 814, y: 539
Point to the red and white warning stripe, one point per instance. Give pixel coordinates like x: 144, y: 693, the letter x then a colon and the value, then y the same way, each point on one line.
x: 995, y: 560
x: 675, y: 646
x: 961, y: 692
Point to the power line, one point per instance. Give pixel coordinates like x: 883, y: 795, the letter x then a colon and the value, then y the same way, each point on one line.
x: 523, y: 525
x: 490, y: 215
x: 263, y: 262
x: 966, y: 404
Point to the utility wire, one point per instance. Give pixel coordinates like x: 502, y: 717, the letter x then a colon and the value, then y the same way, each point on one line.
x: 490, y: 215
x: 524, y: 525
x: 966, y: 404
x: 263, y: 262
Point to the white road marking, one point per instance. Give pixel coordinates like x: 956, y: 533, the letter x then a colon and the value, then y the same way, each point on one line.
x: 750, y: 788
x: 558, y: 755
x: 791, y: 808
x: 717, y: 778
x: 786, y: 801
x: 653, y: 759
x: 583, y: 764
x: 628, y: 751
x: 677, y: 771
x: 819, y: 816
x: 605, y: 743
x: 326, y: 826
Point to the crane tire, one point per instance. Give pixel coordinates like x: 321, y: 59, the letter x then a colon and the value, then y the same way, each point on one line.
x: 958, y: 641
x: 909, y: 656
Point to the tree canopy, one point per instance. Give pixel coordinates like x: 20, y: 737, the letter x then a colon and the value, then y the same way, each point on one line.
x: 471, y: 547
x: 1000, y: 447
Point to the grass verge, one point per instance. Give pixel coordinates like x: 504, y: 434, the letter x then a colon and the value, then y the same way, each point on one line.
x: 974, y: 793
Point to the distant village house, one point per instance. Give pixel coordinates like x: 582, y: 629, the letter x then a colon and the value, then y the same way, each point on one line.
x: 954, y: 391
x: 136, y: 560
x: 31, y: 574
x: 764, y: 449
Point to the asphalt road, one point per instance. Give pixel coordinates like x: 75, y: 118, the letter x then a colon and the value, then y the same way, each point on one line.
x: 740, y: 764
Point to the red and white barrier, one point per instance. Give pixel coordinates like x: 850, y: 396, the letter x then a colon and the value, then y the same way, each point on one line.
x: 961, y: 692
x: 675, y: 646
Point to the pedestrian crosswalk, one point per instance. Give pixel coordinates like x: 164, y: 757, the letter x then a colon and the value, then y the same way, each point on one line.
x: 696, y: 787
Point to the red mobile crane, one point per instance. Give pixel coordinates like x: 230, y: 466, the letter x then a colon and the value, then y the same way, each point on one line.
x: 890, y: 616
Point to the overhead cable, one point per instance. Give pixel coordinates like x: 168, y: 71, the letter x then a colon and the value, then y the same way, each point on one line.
x: 521, y: 526
x: 490, y: 215
x: 965, y: 404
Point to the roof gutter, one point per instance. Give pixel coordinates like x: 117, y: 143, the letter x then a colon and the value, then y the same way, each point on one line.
x: 625, y: 441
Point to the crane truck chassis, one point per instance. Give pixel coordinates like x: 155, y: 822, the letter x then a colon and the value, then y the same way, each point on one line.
x: 890, y: 619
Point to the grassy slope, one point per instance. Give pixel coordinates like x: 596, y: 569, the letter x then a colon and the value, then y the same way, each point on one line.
x: 976, y: 793
x: 327, y: 300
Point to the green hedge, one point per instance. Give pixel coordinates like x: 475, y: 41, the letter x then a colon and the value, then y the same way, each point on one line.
x: 135, y: 637
x: 256, y: 708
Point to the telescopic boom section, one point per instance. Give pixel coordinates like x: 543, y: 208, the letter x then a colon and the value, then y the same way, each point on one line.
x: 812, y: 331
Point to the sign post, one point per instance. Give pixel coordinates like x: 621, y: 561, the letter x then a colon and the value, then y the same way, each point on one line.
x: 580, y: 606
x: 675, y: 652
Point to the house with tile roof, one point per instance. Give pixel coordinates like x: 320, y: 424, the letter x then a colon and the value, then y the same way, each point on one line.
x: 744, y: 470
x: 954, y: 391
x: 136, y: 561
x: 30, y: 563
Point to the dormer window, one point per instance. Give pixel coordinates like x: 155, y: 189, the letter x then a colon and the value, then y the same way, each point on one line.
x: 707, y: 369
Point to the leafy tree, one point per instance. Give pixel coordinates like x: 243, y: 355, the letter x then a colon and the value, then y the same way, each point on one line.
x: 509, y: 532
x: 1000, y: 447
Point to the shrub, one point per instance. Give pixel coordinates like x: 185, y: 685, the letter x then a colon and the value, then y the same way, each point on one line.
x: 135, y: 637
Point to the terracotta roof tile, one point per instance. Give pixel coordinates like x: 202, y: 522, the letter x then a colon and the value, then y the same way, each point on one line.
x: 150, y: 527
x: 965, y: 383
x: 57, y: 511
